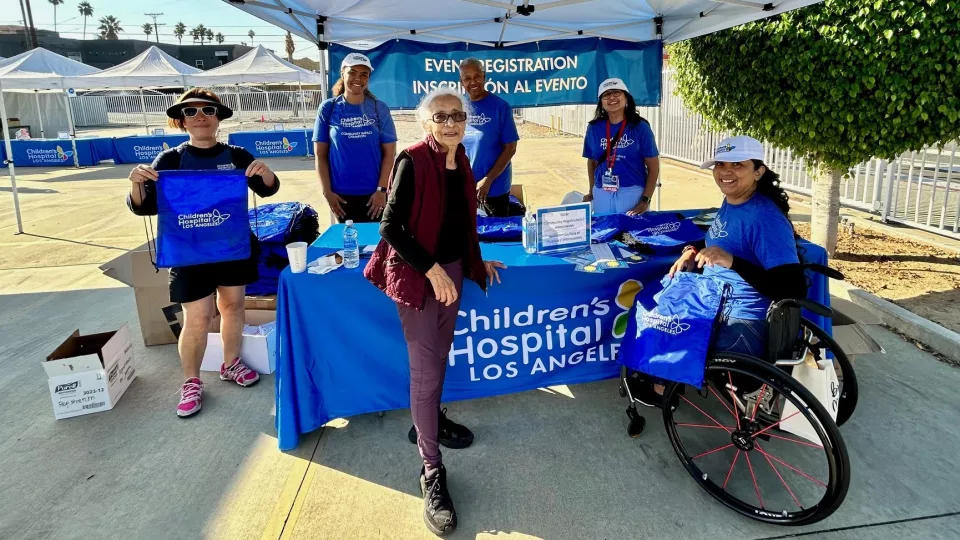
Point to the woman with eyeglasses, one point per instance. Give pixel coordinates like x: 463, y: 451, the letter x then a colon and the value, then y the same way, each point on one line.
x: 355, y: 141
x: 429, y: 246
x: 199, y: 112
x: 623, y: 162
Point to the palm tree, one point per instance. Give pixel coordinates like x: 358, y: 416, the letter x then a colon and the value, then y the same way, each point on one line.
x: 179, y: 30
x: 199, y: 33
x: 251, y: 33
x: 109, y: 27
x: 55, y: 4
x: 147, y: 29
x: 86, y: 10
x: 209, y: 34
x: 220, y: 38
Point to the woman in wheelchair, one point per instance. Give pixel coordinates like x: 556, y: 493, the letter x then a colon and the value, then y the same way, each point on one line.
x: 751, y: 246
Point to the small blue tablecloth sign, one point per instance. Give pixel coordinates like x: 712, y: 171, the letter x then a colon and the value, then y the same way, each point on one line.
x: 59, y: 152
x: 144, y: 148
x: 563, y: 228
x: 292, y: 142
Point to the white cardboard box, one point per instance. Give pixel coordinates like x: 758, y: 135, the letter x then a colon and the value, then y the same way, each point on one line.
x: 257, y: 351
x: 88, y: 374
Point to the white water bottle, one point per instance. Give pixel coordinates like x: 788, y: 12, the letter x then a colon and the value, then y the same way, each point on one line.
x: 351, y: 249
x: 530, y: 232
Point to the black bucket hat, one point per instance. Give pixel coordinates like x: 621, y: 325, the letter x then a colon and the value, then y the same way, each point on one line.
x: 175, y: 110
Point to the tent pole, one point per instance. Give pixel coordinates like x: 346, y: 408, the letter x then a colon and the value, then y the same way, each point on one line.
x: 73, y: 132
x: 659, y: 136
x: 143, y: 109
x: 36, y: 94
x: 239, y: 106
x: 299, y: 106
x: 323, y: 74
x: 13, y: 172
x: 266, y: 92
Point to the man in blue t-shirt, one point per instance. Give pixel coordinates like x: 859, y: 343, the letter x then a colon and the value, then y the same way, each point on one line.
x: 490, y: 140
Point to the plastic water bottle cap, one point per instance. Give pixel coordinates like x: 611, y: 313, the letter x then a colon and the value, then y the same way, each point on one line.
x: 349, y: 223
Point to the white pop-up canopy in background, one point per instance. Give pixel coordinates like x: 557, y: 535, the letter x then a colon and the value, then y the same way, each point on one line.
x: 38, y: 70
x: 259, y: 66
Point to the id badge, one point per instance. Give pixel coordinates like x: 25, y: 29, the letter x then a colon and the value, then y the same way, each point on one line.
x: 609, y: 181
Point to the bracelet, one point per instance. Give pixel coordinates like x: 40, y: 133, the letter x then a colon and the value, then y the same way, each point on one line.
x: 690, y: 248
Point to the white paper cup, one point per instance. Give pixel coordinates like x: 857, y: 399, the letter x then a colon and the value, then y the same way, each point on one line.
x: 297, y: 253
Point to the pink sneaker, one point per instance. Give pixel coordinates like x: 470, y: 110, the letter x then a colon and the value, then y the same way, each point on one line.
x: 190, y: 397
x: 239, y: 373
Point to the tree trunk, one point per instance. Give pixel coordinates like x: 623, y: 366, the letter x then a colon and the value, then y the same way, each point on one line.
x: 825, y: 214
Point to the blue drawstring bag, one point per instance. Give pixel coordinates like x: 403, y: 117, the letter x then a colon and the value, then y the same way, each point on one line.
x: 666, y: 236
x: 604, y: 228
x: 497, y: 229
x: 671, y: 340
x: 201, y: 218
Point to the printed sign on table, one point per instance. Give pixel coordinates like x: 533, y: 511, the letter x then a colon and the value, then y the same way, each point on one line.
x: 563, y: 228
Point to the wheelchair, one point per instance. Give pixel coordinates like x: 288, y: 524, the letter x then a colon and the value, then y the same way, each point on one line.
x: 729, y: 435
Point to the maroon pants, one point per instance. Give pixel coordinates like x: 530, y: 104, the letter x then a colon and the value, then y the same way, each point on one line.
x: 429, y: 334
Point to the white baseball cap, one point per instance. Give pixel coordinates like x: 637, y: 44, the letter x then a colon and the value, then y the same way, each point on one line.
x: 356, y: 59
x: 612, y: 84
x: 734, y: 150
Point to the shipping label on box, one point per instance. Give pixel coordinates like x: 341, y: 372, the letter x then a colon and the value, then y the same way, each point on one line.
x: 89, y: 374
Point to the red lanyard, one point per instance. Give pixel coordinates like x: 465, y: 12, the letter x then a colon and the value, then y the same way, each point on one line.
x: 611, y: 154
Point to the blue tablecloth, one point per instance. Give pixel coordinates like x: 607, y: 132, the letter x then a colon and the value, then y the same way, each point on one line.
x: 144, y: 148
x: 59, y: 152
x: 292, y: 142
x: 340, y: 348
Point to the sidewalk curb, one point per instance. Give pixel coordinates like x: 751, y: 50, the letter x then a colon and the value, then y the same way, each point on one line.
x: 938, y: 338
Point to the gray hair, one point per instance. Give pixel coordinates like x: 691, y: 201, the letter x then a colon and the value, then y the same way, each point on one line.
x: 472, y: 62
x: 424, y: 114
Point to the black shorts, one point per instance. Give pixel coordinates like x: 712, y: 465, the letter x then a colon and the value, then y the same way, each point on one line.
x: 357, y: 209
x: 498, y: 206
x: 192, y: 283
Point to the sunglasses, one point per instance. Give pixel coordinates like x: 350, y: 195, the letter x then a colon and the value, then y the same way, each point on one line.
x: 207, y: 110
x: 441, y: 118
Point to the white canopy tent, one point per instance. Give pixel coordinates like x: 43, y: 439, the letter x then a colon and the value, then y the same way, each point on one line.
x: 502, y: 23
x: 152, y: 68
x: 37, y: 70
x: 258, y: 66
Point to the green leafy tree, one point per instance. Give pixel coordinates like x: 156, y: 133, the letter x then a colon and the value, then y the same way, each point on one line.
x: 838, y: 82
x: 209, y: 34
x: 199, y: 33
x: 220, y: 38
x: 251, y: 33
x: 109, y: 27
x: 86, y: 10
x: 179, y: 31
x: 147, y: 29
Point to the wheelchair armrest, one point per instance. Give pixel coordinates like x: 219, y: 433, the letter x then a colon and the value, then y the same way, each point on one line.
x: 821, y: 269
x: 808, y: 305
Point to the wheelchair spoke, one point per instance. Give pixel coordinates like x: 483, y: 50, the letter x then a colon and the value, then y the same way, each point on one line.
x: 756, y: 487
x: 756, y: 406
x: 804, y: 443
x: 712, y: 419
x: 711, y: 451
x: 730, y: 472
x: 792, y: 468
x: 782, y: 481
x: 782, y: 420
x: 703, y: 426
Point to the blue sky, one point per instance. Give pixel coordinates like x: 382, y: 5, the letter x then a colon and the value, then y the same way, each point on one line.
x: 214, y: 14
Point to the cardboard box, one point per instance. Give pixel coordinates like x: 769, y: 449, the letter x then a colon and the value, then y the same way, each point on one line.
x: 88, y: 374
x: 160, y: 319
x: 257, y: 351
x: 517, y: 191
x: 268, y: 303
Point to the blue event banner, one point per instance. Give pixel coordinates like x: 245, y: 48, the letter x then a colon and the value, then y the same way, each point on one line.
x: 552, y: 72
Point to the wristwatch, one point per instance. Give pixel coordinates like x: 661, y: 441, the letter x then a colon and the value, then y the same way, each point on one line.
x: 381, y: 189
x: 644, y: 199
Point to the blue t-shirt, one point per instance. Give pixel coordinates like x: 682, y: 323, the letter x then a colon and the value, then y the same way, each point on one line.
x: 758, y: 232
x: 489, y: 129
x: 636, y: 144
x: 354, y: 133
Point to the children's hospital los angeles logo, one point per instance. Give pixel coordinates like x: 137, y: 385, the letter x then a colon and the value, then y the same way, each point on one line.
x: 40, y: 156
x: 624, y: 142
x: 479, y: 119
x: 275, y: 148
x: 527, y: 340
x: 207, y: 219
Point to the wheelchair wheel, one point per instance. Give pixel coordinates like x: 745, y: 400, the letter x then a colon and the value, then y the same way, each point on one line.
x: 744, y: 459
x: 849, y: 391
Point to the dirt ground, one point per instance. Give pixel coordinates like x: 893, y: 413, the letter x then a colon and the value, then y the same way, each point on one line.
x: 917, y: 276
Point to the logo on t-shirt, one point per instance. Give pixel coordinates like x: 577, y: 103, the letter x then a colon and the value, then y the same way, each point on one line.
x: 479, y: 119
x: 718, y: 229
x: 357, y: 121
x: 621, y: 144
